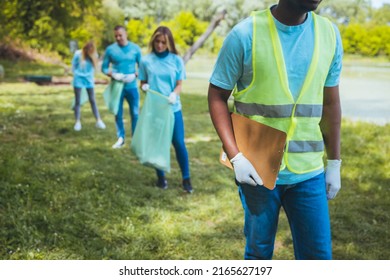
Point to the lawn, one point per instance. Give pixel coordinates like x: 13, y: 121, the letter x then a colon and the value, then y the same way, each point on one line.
x: 69, y: 195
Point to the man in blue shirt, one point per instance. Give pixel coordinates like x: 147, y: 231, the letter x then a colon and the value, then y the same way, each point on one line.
x: 289, y: 36
x: 123, y: 56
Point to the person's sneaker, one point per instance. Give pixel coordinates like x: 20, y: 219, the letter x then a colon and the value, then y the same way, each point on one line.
x: 187, y: 185
x: 119, y: 144
x: 162, y: 183
x: 100, y: 124
x: 77, y: 126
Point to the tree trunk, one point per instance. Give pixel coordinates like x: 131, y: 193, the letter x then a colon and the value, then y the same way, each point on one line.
x: 214, y: 23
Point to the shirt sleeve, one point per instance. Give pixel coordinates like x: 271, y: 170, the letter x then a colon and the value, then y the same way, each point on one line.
x: 138, y: 57
x: 229, y: 65
x: 181, y: 72
x: 142, y: 75
x: 333, y: 78
x: 75, y: 61
x: 106, y: 62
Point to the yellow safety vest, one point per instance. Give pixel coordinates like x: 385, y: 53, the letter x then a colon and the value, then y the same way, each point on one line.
x: 268, y: 99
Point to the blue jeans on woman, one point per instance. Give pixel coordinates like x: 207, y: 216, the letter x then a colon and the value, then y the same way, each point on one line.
x: 306, y: 207
x: 132, y: 97
x: 180, y: 147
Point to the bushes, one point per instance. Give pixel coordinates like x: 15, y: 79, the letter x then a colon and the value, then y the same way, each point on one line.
x: 366, y: 40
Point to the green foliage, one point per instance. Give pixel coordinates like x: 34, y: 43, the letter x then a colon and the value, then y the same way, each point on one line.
x: 381, y: 16
x: 186, y: 29
x: 346, y: 11
x: 140, y: 31
x: 50, y: 25
x: 367, y: 39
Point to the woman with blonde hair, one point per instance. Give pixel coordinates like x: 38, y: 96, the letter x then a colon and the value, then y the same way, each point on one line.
x: 162, y: 70
x: 84, y: 63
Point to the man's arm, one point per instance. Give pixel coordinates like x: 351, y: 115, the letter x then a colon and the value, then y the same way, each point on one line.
x: 330, y: 126
x: 106, y: 64
x: 331, y: 122
x: 220, y: 116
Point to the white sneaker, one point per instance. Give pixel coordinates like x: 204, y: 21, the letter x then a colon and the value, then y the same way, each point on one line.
x: 100, y: 124
x: 77, y: 126
x: 119, y: 144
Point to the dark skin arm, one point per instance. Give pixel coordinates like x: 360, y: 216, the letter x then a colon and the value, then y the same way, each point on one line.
x: 331, y: 122
x: 220, y: 116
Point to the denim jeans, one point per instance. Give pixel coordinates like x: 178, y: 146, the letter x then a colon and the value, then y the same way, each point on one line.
x: 132, y: 97
x: 180, y: 147
x: 306, y: 207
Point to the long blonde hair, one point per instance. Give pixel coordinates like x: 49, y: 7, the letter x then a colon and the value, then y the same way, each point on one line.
x: 89, y: 53
x: 166, y: 32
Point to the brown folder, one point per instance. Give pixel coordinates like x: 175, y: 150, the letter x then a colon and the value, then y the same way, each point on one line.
x: 262, y: 145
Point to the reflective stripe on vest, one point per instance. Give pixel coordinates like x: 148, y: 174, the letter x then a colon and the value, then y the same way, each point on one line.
x: 279, y: 111
x: 305, y: 146
x: 268, y: 98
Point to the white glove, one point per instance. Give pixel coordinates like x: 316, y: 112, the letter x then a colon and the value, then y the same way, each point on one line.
x: 332, y: 178
x: 244, y: 171
x: 128, y: 78
x: 172, y: 97
x: 145, y: 87
x: 117, y: 76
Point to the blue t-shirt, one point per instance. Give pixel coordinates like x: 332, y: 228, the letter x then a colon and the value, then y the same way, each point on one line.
x: 234, y: 65
x: 83, y: 71
x: 162, y: 74
x: 123, y: 60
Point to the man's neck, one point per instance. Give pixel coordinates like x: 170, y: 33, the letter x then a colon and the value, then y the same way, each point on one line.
x: 287, y: 15
x: 124, y: 44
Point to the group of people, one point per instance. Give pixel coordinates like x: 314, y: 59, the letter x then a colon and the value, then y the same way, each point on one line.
x: 161, y: 70
x: 283, y: 66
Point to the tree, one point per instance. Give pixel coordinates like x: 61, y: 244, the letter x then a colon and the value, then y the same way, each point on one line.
x: 214, y: 23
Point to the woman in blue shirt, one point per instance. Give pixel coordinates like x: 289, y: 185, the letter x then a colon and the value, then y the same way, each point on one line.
x: 83, y: 67
x: 163, y: 71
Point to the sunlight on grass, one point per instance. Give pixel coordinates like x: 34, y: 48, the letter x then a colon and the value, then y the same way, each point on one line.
x: 200, y: 138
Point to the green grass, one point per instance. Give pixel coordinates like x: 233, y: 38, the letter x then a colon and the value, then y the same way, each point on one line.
x: 69, y: 195
x: 14, y: 71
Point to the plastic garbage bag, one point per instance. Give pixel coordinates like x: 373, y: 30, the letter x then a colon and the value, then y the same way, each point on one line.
x: 111, y: 96
x: 152, y: 137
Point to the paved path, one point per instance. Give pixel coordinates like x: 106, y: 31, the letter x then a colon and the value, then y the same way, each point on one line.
x: 365, y: 94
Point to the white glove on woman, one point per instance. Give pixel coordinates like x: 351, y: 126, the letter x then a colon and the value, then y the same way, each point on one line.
x: 145, y: 87
x: 332, y: 178
x: 118, y: 76
x: 244, y: 171
x: 172, y: 97
x: 128, y: 78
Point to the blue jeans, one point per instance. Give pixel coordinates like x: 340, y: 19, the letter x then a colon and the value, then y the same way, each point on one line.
x: 180, y: 147
x: 306, y: 207
x: 132, y: 97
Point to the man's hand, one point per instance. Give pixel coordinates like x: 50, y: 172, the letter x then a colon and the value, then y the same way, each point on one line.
x: 172, y: 97
x: 332, y: 178
x: 145, y: 87
x: 128, y: 78
x: 244, y: 171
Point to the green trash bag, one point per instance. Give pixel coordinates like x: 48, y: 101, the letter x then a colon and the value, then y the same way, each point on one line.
x: 152, y: 138
x: 112, y: 95
x: 83, y: 98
